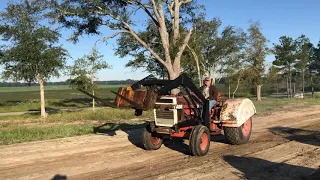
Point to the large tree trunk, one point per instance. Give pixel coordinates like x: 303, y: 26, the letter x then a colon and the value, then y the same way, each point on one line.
x: 173, y: 75
x: 43, y: 108
x: 277, y: 86
x: 294, y: 88
x: 259, y: 92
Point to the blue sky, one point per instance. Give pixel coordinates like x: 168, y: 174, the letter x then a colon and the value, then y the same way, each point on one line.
x: 277, y: 18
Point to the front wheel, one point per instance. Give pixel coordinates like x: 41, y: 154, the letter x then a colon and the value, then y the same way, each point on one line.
x: 239, y: 135
x: 199, y: 141
x: 150, y: 140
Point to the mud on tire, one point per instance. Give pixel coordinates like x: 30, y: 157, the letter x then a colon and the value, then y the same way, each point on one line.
x: 150, y: 140
x: 199, y: 141
x: 239, y: 135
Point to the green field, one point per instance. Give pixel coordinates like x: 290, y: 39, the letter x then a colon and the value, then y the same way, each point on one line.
x: 13, y: 99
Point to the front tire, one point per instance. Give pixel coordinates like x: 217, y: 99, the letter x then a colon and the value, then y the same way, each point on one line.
x: 199, y: 141
x: 150, y: 140
x: 239, y: 135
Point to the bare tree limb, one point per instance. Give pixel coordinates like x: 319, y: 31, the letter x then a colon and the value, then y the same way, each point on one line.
x: 145, y: 8
x: 182, y: 47
x: 170, y: 6
x: 184, y: 2
x: 164, y: 36
x: 175, y: 22
x: 197, y: 63
x: 147, y: 47
x: 104, y: 39
x: 155, y: 9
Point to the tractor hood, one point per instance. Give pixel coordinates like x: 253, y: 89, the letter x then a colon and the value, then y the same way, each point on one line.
x: 236, y: 111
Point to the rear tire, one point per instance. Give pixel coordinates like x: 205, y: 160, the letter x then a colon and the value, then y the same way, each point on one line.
x: 239, y: 135
x: 150, y: 140
x: 199, y: 141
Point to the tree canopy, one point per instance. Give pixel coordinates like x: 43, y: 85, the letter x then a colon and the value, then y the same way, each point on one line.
x: 31, y: 52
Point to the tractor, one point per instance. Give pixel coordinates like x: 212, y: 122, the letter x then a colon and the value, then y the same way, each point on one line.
x: 186, y: 115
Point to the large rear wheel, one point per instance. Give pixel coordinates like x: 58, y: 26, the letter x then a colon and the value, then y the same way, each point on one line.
x: 239, y: 135
x: 199, y: 141
x: 151, y: 140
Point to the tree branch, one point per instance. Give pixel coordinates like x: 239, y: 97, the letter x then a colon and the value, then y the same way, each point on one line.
x: 145, y: 8
x: 147, y: 47
x: 155, y: 10
x: 197, y: 63
x: 181, y: 49
x: 184, y: 2
x: 170, y: 6
x: 163, y: 30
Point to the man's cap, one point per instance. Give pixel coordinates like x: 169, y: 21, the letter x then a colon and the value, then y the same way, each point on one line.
x: 207, y: 79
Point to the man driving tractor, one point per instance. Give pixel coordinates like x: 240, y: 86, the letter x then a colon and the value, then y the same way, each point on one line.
x: 210, y: 92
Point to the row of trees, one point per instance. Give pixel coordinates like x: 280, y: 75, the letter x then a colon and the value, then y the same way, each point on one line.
x: 294, y: 59
x: 176, y: 38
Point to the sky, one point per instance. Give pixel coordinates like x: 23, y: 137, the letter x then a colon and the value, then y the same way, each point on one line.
x: 277, y: 18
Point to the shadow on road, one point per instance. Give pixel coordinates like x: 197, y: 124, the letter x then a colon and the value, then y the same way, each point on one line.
x: 59, y: 177
x: 134, y: 132
x: 299, y: 135
x: 255, y: 168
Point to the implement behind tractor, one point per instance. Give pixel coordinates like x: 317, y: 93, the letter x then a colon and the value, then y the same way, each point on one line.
x: 187, y: 114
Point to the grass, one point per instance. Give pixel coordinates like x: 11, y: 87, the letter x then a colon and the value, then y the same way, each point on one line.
x: 16, y: 99
x: 25, y: 134
x: 28, y: 127
x: 269, y: 105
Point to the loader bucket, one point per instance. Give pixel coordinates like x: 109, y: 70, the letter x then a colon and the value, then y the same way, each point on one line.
x: 139, y: 99
x: 236, y: 111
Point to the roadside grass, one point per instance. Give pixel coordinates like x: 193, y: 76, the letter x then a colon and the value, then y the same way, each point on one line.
x: 29, y: 127
x: 25, y: 134
x: 269, y: 105
x: 101, y: 115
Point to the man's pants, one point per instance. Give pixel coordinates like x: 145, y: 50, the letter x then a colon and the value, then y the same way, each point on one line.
x: 211, y: 104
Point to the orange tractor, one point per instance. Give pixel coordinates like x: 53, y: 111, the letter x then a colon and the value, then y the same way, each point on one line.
x: 187, y: 114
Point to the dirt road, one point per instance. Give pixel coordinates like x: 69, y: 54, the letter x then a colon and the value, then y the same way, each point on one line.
x: 284, y: 145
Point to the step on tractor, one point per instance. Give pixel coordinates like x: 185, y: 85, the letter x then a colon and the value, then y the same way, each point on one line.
x: 186, y: 114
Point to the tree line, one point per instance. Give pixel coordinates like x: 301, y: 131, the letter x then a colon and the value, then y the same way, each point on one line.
x: 176, y: 38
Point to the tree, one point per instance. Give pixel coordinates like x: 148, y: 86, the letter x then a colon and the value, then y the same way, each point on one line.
x: 314, y: 66
x: 141, y: 59
x: 87, y: 17
x: 84, y: 71
x: 315, y: 60
x: 32, y: 54
x: 304, y: 53
x: 234, y: 72
x: 256, y: 51
x: 215, y: 48
x: 285, y: 54
x: 274, y: 77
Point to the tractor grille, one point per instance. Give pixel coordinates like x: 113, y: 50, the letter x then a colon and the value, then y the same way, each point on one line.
x: 164, y: 117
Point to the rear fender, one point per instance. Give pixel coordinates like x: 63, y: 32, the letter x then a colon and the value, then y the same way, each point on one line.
x: 236, y: 111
